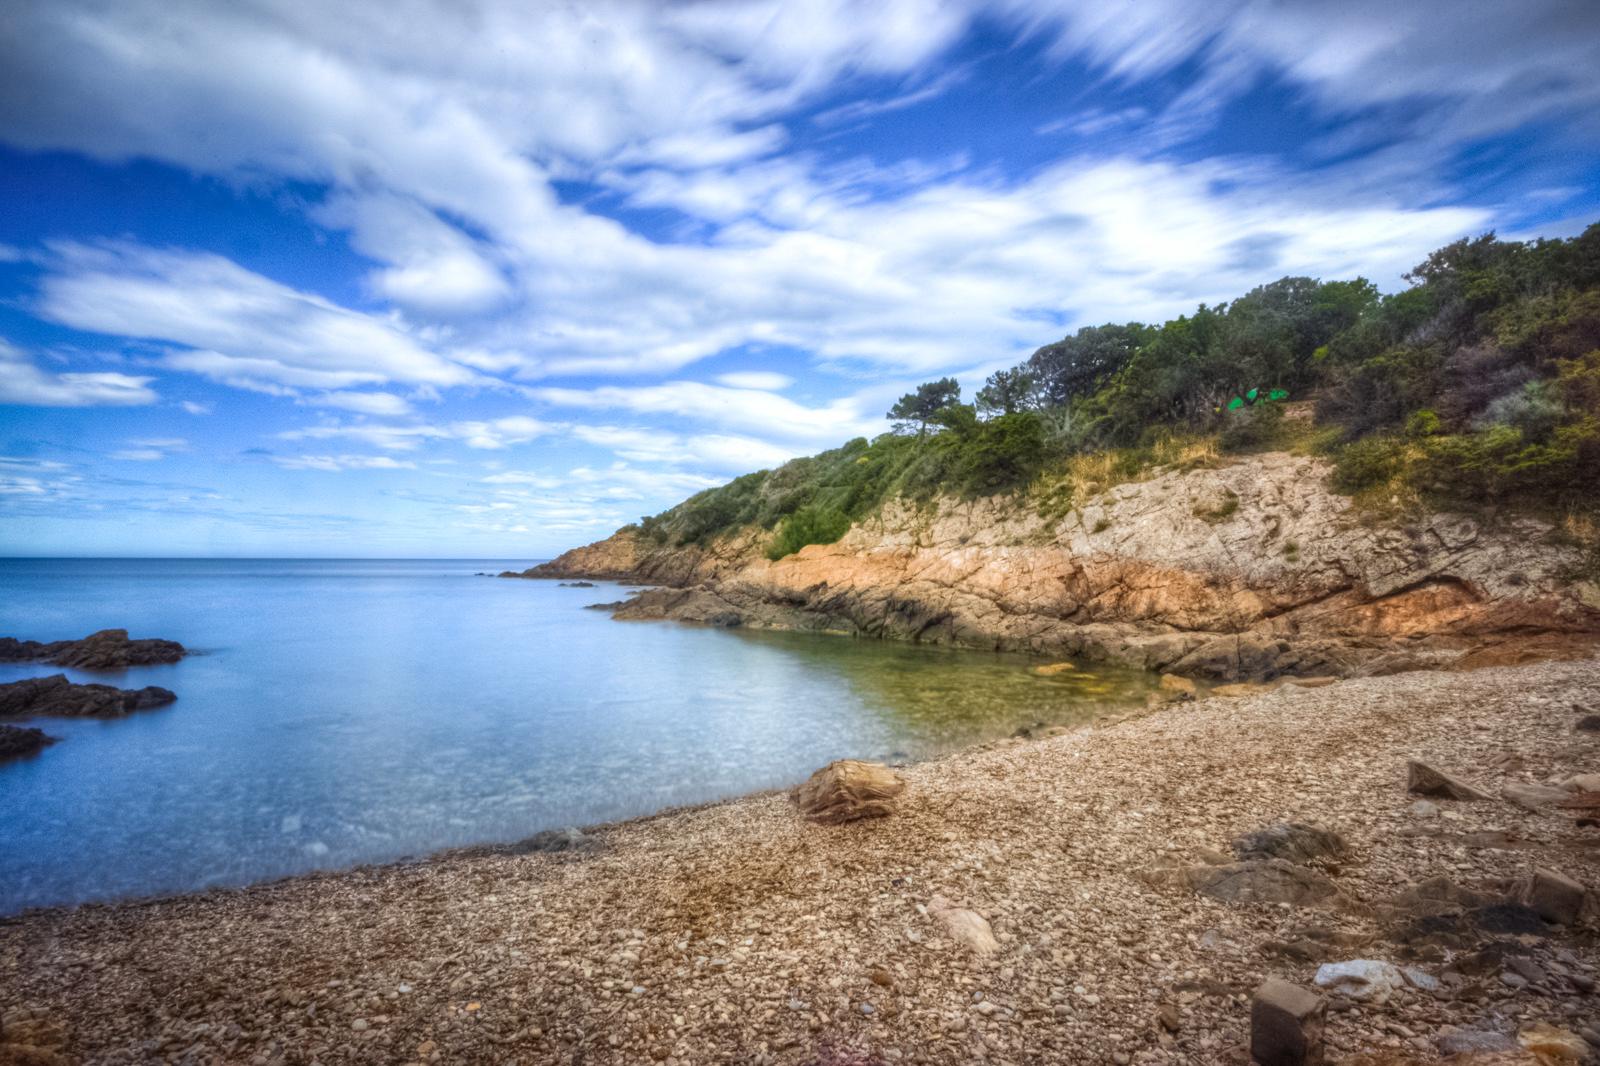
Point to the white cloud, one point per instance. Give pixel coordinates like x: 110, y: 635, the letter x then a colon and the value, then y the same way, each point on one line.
x: 766, y: 380
x: 403, y: 438
x: 194, y: 407
x: 500, y: 432
x: 150, y: 449
x: 23, y: 383
x: 383, y: 404
x: 434, y: 267
x: 750, y: 410
x: 243, y: 329
x: 494, y: 433
x: 342, y: 462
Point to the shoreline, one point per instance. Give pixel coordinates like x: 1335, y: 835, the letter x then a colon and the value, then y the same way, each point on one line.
x: 751, y: 935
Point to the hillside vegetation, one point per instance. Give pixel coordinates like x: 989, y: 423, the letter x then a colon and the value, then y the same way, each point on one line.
x: 1478, y: 386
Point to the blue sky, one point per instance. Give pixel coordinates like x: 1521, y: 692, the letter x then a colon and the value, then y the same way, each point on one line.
x: 492, y: 279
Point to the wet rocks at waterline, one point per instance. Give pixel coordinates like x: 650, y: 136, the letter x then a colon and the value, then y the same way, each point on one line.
x: 109, y: 649
x: 55, y: 695
x: 17, y: 741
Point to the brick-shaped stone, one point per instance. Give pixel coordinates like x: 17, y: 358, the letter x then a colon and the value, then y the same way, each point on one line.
x: 1286, y: 1025
x: 1556, y: 897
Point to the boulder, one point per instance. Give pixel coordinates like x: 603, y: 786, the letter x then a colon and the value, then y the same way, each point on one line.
x: 1425, y: 780
x: 16, y: 741
x: 1368, y: 980
x: 1589, y: 723
x: 1582, y: 783
x: 1554, y: 896
x: 55, y: 695
x: 1532, y: 797
x: 1286, y: 1025
x: 1260, y: 881
x: 1052, y: 669
x: 966, y: 926
x: 1294, y: 842
x: 1175, y: 687
x: 109, y: 649
x: 847, y: 790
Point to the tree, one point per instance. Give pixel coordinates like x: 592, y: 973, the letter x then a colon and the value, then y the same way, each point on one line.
x: 921, y: 407
x: 1078, y: 365
x: 1009, y: 391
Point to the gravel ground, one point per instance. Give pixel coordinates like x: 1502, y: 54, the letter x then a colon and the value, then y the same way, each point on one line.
x: 736, y: 933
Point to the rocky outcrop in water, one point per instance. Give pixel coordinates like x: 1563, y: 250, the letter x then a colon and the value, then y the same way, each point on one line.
x: 109, y: 649
x: 57, y: 696
x: 1287, y: 578
x: 15, y: 741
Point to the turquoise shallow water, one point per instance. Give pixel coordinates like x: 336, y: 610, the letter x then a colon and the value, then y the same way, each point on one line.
x: 338, y: 712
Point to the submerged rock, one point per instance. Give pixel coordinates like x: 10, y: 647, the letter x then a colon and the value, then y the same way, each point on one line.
x: 16, y: 741
x: 55, y: 695
x: 847, y: 790
x: 109, y: 649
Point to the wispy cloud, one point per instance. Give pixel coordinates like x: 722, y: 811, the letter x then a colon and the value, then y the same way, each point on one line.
x: 23, y: 382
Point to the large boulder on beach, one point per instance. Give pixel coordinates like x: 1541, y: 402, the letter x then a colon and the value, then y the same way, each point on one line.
x: 55, y: 695
x: 109, y: 649
x: 847, y: 790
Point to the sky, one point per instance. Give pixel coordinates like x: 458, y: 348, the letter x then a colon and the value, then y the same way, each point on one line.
x: 475, y: 278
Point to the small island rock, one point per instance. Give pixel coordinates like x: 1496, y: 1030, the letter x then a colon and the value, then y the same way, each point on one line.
x: 15, y: 741
x: 55, y: 695
x: 109, y: 649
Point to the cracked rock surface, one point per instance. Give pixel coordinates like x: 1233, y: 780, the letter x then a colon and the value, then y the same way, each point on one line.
x: 1291, y: 580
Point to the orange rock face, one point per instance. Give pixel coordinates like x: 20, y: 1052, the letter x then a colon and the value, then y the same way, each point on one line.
x: 1292, y: 580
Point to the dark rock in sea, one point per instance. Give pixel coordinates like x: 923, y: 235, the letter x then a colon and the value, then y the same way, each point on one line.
x: 577, y: 584
x: 109, y: 649
x: 16, y: 741
x: 55, y: 695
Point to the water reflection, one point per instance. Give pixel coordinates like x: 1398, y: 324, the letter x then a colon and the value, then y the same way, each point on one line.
x: 347, y: 712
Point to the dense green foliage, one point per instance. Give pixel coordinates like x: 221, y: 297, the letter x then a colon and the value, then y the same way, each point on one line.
x: 1479, y: 384
x: 812, y: 524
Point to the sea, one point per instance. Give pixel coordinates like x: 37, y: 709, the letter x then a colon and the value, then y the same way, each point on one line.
x: 339, y: 712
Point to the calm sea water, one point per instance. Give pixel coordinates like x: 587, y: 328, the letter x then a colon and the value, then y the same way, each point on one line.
x: 340, y: 712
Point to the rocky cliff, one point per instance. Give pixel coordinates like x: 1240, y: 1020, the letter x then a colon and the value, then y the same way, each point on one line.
x: 1249, y: 569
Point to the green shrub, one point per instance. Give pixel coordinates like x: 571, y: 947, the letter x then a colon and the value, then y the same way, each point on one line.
x: 1260, y: 426
x: 809, y: 525
x: 1367, y: 464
